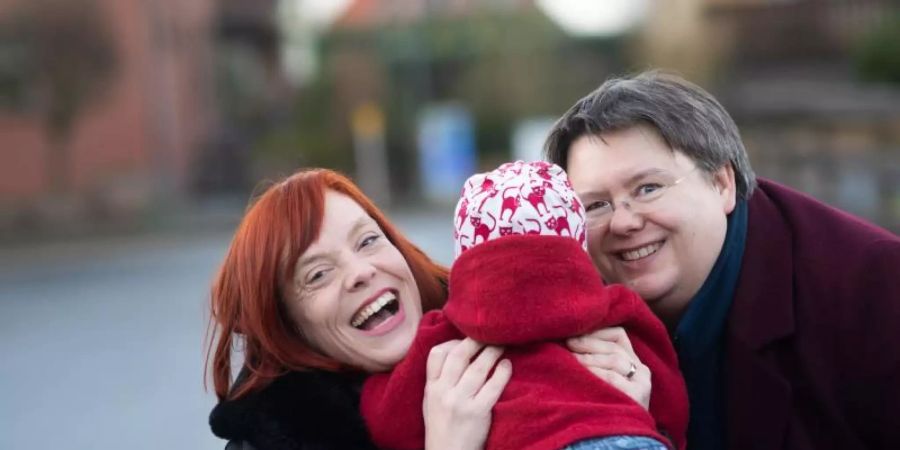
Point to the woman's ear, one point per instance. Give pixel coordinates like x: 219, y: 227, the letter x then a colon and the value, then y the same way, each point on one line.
x: 723, y: 182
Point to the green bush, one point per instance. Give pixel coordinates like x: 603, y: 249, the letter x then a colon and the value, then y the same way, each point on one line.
x: 877, y: 56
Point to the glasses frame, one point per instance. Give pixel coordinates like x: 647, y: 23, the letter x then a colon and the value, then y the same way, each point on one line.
x: 627, y: 204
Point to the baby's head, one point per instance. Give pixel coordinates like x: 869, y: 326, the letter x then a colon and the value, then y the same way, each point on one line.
x: 518, y: 198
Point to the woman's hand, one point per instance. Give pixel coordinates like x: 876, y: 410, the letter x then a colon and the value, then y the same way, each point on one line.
x: 459, y: 395
x: 608, y: 354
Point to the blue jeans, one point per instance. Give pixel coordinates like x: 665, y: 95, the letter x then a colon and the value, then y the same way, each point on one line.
x: 618, y: 443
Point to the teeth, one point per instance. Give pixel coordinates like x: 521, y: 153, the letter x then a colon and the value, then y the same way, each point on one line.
x: 373, y: 308
x: 642, y: 252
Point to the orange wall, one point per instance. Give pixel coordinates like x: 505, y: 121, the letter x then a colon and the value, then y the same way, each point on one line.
x: 148, y: 122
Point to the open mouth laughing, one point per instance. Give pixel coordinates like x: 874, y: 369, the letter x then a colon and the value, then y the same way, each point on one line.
x: 376, y: 312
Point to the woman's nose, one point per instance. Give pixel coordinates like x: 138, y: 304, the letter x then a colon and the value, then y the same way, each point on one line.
x: 624, y: 220
x: 360, y: 275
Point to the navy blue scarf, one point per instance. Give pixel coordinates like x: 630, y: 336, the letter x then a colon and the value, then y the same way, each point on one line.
x: 698, y: 338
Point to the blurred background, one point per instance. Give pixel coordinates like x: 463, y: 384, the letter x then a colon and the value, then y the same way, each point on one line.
x: 133, y: 133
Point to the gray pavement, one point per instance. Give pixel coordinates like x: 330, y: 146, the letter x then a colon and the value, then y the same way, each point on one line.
x: 102, y: 340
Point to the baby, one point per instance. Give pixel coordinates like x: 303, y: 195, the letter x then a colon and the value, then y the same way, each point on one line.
x: 523, y: 280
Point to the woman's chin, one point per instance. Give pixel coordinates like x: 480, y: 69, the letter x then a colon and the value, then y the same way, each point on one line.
x: 392, y: 350
x: 651, y: 287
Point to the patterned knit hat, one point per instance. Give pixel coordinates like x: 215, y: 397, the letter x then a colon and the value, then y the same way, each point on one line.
x: 518, y: 198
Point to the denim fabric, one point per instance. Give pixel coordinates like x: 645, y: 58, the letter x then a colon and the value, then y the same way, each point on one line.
x: 618, y: 443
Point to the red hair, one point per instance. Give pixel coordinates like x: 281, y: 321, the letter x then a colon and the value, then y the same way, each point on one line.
x: 247, y: 296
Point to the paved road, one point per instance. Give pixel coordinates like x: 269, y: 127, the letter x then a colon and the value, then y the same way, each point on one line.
x: 102, y: 341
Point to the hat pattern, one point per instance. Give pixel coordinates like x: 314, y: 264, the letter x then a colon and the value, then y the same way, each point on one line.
x: 518, y: 198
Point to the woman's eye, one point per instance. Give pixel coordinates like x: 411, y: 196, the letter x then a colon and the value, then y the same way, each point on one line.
x: 646, y: 189
x: 315, y: 275
x: 598, y: 206
x: 369, y: 240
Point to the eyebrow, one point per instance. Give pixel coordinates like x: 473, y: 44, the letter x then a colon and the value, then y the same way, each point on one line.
x: 360, y: 223
x: 644, y: 174
x: 310, y: 258
x: 629, y: 182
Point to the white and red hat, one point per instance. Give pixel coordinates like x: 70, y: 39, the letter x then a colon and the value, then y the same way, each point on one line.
x: 518, y: 198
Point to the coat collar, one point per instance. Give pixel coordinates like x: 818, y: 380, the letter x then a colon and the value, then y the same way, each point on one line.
x: 758, y: 396
x: 763, y: 309
x: 298, y: 410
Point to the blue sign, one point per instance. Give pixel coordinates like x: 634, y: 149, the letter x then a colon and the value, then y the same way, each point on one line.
x: 447, y: 151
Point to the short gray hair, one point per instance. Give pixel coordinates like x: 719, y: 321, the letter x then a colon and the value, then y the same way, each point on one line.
x: 687, y: 117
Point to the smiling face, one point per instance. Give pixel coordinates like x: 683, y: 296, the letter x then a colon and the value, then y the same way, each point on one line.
x: 666, y: 251
x: 353, y: 296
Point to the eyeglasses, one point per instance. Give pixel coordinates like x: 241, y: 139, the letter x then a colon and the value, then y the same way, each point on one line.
x: 644, y: 198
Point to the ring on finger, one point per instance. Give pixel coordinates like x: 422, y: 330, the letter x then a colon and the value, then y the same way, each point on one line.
x: 631, y: 371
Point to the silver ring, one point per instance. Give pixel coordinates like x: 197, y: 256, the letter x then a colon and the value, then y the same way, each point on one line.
x: 631, y: 371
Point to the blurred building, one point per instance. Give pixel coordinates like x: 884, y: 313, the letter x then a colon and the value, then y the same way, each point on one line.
x: 709, y: 39
x: 500, y: 60
x: 251, y: 90
x: 106, y: 103
x: 794, y: 74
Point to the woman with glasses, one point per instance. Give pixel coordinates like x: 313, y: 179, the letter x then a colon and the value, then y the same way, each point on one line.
x: 783, y: 310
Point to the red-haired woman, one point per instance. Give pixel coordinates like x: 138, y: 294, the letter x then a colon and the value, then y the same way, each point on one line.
x: 319, y: 289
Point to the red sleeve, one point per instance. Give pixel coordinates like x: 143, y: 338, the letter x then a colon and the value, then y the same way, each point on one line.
x: 391, y: 402
x: 651, y: 343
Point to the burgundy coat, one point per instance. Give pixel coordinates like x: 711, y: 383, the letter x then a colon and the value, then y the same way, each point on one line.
x: 813, y: 335
x: 528, y: 293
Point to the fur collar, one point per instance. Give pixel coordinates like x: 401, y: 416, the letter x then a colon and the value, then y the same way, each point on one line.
x: 299, y: 410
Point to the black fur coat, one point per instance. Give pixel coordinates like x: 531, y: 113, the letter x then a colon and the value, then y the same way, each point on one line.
x: 298, y: 411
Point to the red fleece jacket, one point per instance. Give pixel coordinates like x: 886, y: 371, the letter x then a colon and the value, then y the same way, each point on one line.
x: 529, y: 293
